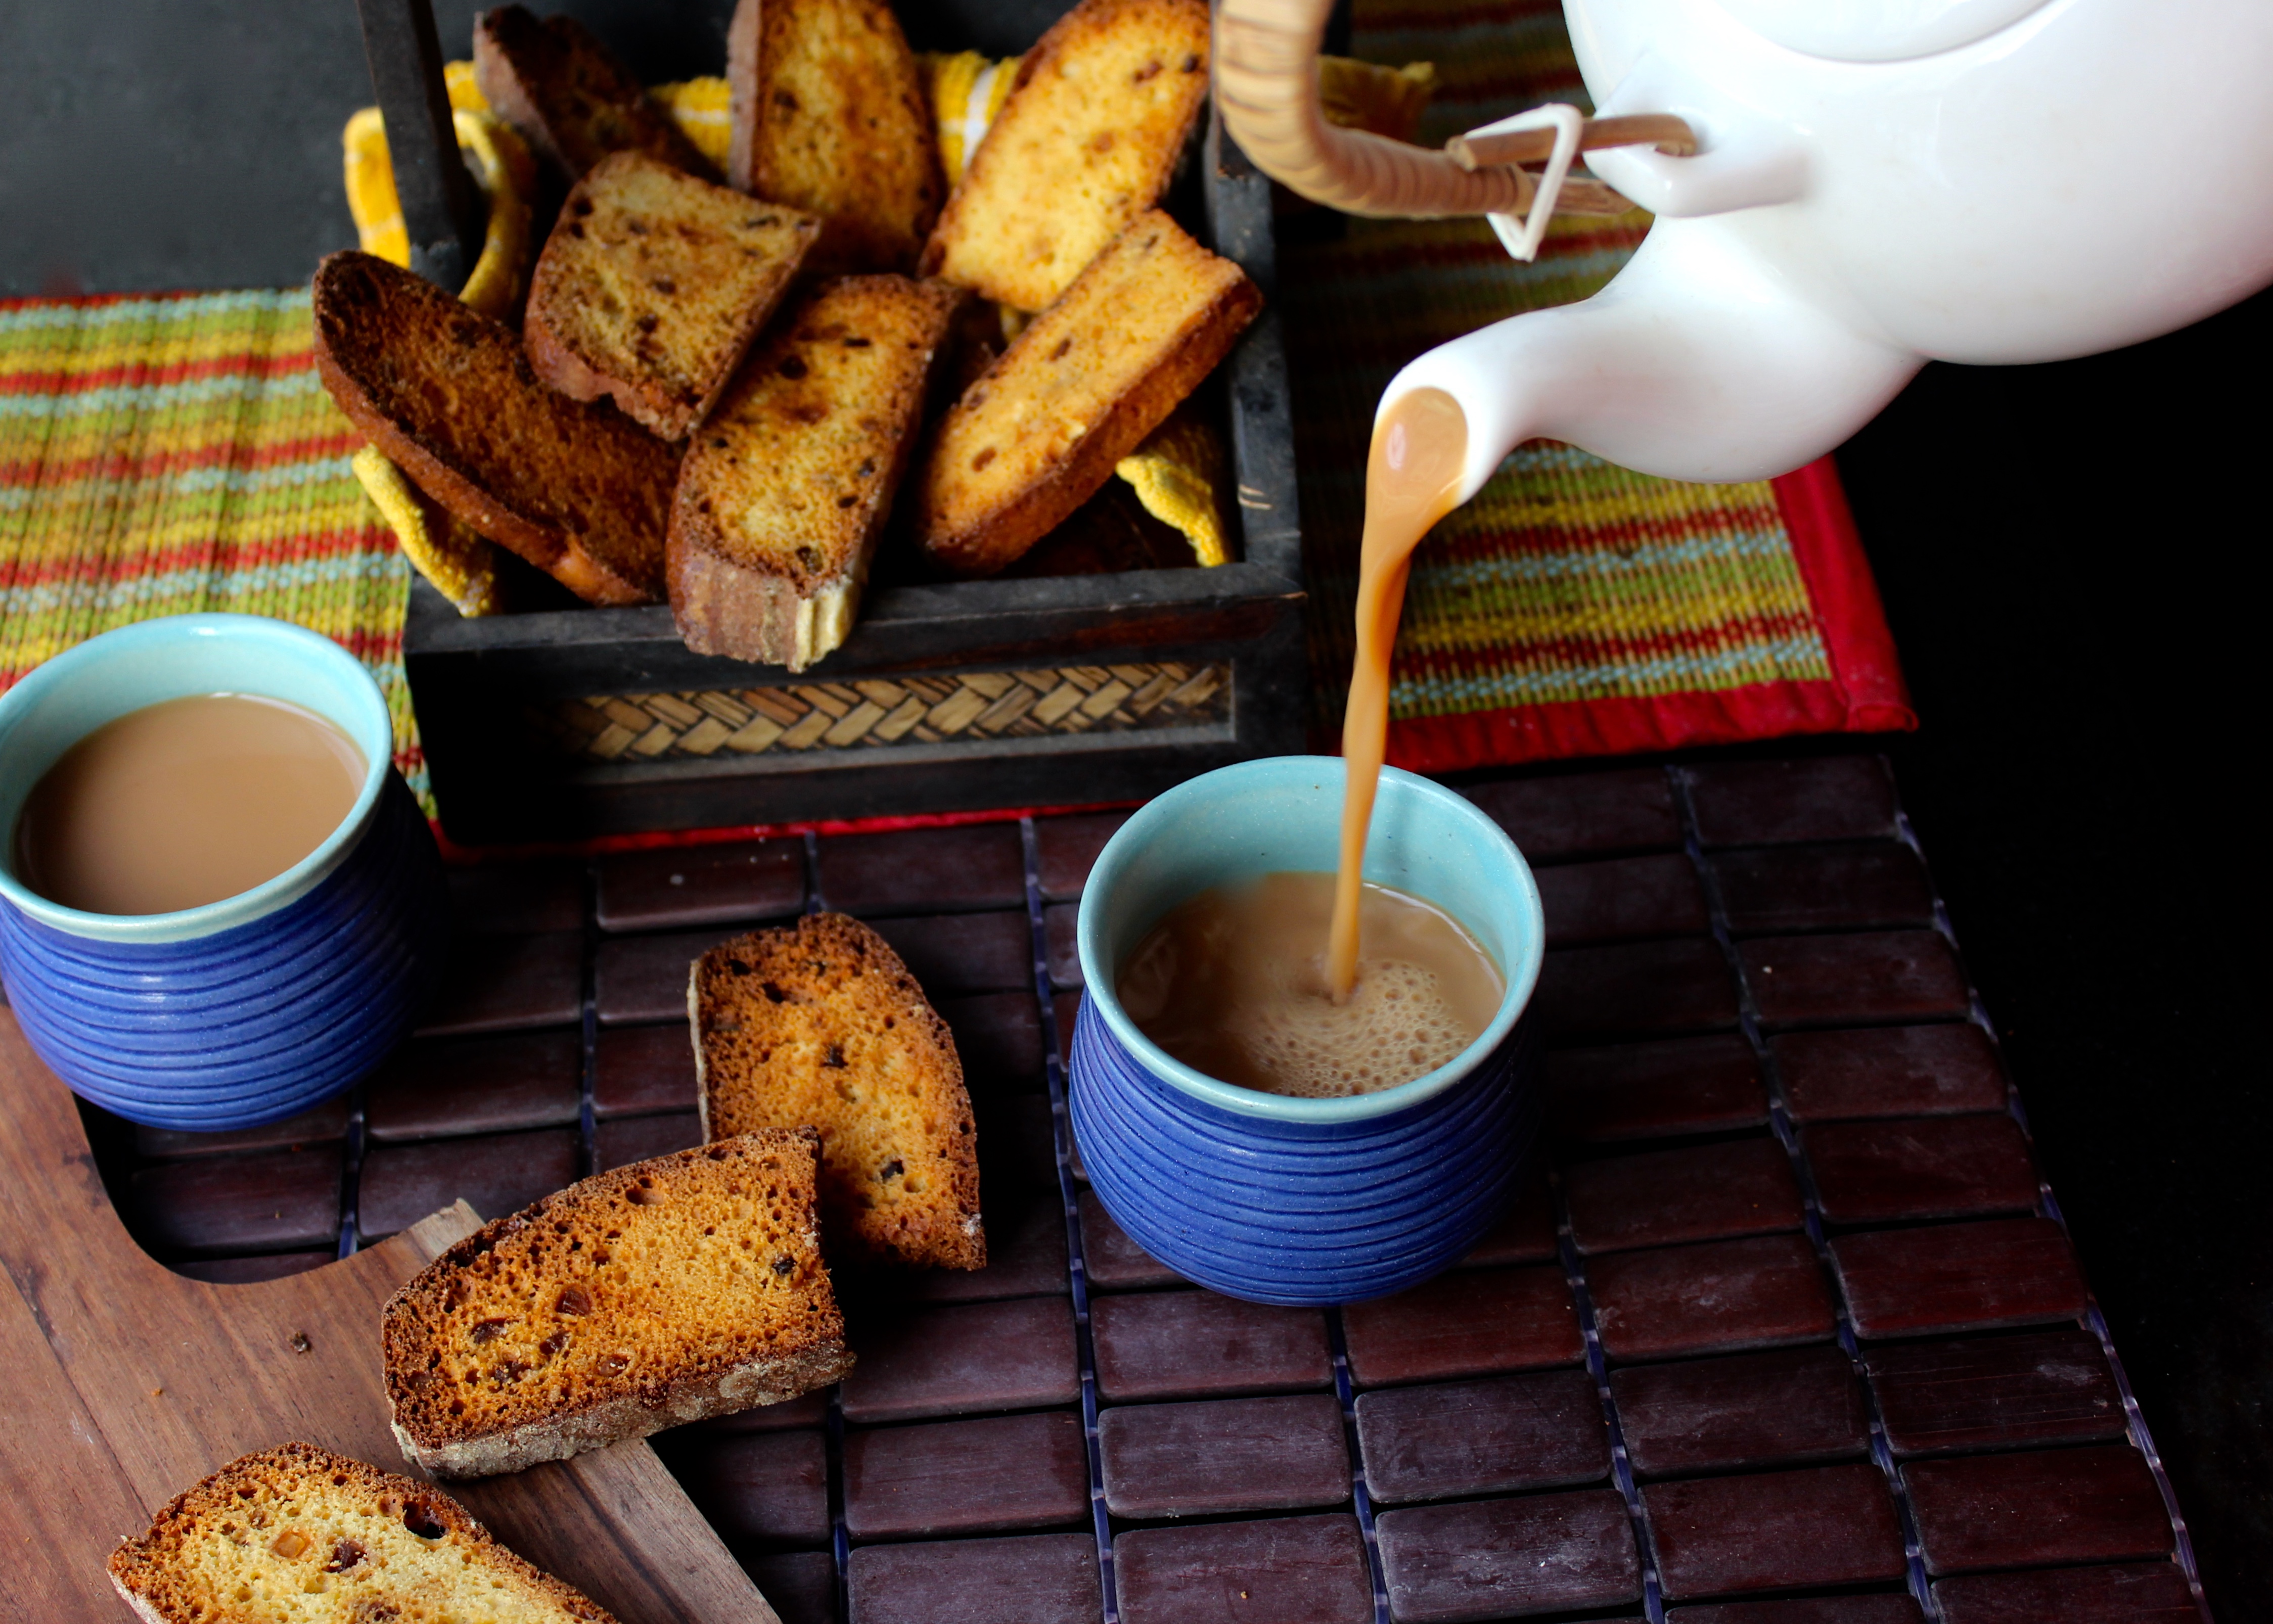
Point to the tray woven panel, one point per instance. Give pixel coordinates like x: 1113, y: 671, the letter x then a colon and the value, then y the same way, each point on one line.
x: 1788, y: 1312
x: 875, y: 713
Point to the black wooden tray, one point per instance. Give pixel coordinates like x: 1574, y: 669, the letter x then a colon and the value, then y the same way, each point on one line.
x: 1018, y: 693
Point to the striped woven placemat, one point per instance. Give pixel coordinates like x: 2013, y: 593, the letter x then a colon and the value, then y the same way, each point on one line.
x: 164, y: 454
x: 1573, y: 608
x: 160, y: 456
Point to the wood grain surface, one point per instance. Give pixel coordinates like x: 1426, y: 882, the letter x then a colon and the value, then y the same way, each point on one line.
x: 125, y: 1382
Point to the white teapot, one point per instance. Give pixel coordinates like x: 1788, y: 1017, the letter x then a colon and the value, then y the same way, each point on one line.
x: 1877, y: 183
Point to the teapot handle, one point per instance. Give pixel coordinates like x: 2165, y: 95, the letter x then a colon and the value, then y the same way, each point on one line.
x: 1266, y: 82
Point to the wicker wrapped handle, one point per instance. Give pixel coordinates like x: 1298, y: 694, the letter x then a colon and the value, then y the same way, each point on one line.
x: 1266, y: 82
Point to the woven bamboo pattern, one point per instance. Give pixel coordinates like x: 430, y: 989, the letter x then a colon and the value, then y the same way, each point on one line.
x: 971, y: 706
x: 167, y: 455
x: 1567, y: 578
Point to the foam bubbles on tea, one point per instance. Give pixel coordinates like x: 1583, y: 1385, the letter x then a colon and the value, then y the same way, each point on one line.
x: 1397, y: 1025
x: 1232, y: 983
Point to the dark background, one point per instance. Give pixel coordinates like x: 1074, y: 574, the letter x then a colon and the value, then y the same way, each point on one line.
x: 2064, y: 550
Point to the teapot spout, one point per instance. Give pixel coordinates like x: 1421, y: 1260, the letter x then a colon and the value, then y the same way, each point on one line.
x: 1693, y: 363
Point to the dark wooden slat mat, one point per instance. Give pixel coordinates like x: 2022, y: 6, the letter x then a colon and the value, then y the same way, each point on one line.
x: 1789, y: 1310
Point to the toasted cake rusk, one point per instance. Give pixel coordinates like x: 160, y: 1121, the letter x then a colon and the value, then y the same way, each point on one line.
x: 1089, y: 139
x: 297, y: 1535
x: 1089, y: 378
x: 786, y: 487
x: 652, y: 286
x: 820, y: 1022
x: 687, y: 1286
x: 829, y: 114
x: 569, y: 96
x: 447, y: 394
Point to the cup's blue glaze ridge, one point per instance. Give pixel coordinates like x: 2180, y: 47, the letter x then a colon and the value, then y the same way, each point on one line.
x: 1277, y: 1213
x: 259, y: 1023
x: 1303, y: 1201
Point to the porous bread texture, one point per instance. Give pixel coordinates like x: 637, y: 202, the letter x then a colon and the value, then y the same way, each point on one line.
x: 820, y: 1022
x: 578, y: 490
x: 568, y: 95
x: 786, y: 489
x: 828, y: 113
x: 1089, y: 139
x: 652, y: 285
x: 1088, y: 379
x: 298, y: 1535
x: 688, y: 1286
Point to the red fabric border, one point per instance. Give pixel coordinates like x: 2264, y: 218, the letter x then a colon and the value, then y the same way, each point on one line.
x: 1620, y: 727
x: 29, y: 301
x: 1865, y: 693
x: 1837, y: 572
x: 605, y: 845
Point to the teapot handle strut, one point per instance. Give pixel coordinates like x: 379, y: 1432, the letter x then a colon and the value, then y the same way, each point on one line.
x: 1266, y: 82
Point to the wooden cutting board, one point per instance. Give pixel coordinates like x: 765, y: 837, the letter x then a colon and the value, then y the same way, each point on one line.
x: 122, y: 1383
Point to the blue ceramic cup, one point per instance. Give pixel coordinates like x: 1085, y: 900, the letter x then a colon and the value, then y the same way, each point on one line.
x: 250, y: 1009
x: 1292, y: 1200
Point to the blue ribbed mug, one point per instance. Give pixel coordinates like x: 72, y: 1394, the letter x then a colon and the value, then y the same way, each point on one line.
x: 1290, y: 1201
x: 255, y: 1007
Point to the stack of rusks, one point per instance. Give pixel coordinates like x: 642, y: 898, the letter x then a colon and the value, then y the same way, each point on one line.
x: 692, y: 1285
x: 726, y: 390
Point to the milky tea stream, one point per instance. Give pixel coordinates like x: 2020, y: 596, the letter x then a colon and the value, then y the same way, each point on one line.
x: 1234, y: 982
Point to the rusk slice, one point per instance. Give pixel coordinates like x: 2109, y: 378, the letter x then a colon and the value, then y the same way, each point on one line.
x: 786, y: 487
x: 1091, y: 376
x: 820, y: 1022
x: 652, y: 286
x: 447, y: 394
x: 829, y: 114
x: 1088, y: 139
x: 687, y: 1286
x: 297, y: 1535
x: 569, y: 96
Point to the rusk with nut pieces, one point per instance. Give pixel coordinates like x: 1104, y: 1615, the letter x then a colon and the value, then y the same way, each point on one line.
x: 828, y: 114
x: 786, y: 488
x: 652, y: 285
x: 446, y: 394
x: 1096, y: 121
x: 569, y: 97
x: 1042, y: 428
x: 298, y: 1535
x: 667, y: 1292
x: 820, y: 1022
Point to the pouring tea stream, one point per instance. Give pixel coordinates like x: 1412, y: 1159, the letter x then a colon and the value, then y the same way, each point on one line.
x: 1867, y: 185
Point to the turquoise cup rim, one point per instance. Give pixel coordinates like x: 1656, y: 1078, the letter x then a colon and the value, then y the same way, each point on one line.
x: 271, y: 646
x: 1160, y: 818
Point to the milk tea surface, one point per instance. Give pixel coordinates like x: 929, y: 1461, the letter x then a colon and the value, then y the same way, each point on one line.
x: 185, y: 803
x: 1232, y: 983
